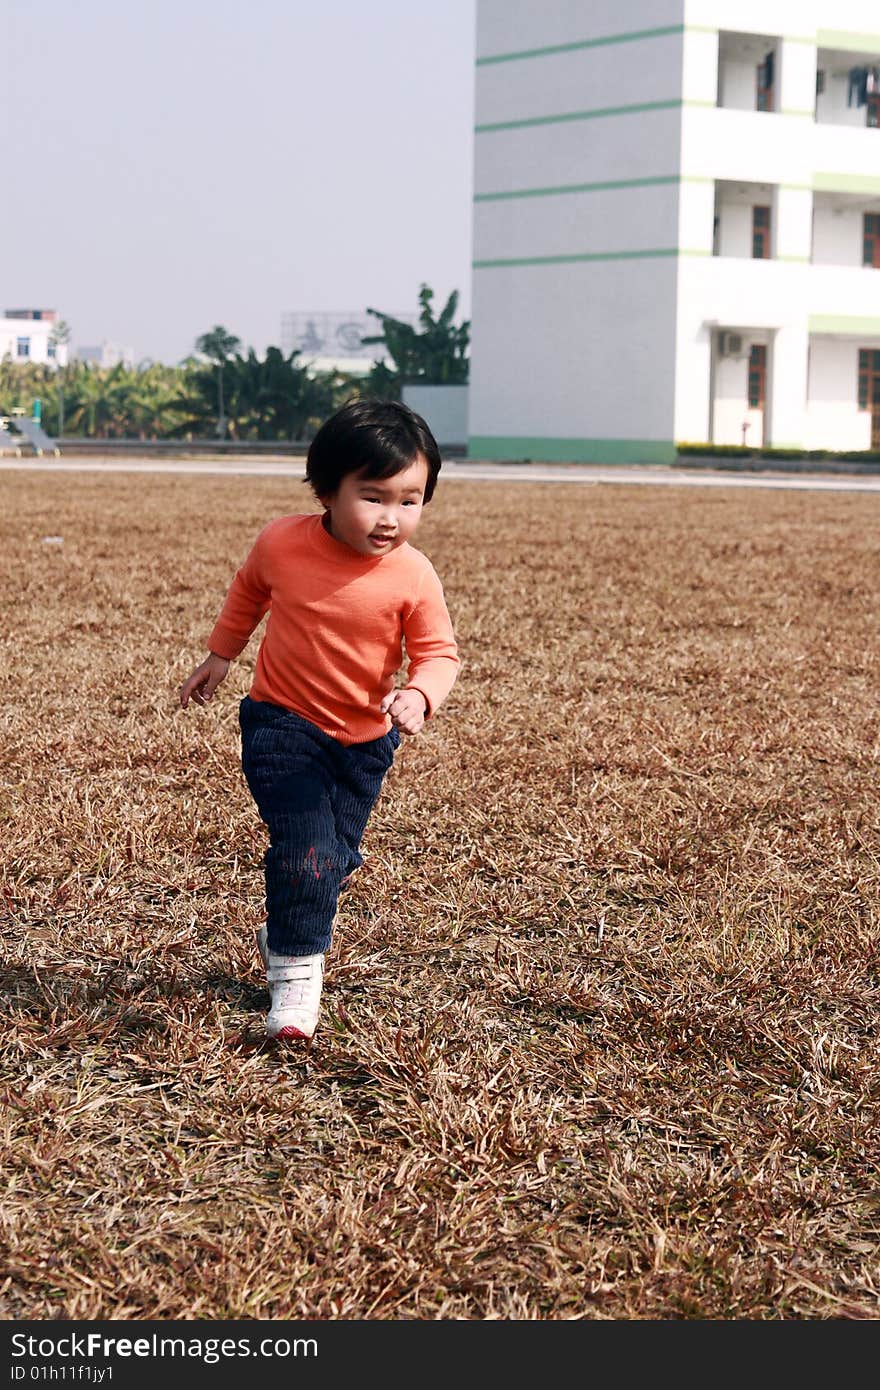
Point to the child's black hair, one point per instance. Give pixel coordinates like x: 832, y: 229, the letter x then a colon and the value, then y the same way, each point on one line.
x: 374, y: 438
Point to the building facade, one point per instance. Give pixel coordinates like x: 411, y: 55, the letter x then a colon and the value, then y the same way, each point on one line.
x: 676, y: 227
x: 106, y: 355
x: 28, y: 335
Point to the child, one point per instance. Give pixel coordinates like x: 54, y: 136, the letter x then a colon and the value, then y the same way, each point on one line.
x: 321, y: 723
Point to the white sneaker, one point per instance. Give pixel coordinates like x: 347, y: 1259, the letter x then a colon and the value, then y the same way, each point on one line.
x: 295, y: 984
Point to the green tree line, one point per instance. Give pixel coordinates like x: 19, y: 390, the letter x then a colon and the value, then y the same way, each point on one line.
x: 227, y: 393
x: 268, y: 398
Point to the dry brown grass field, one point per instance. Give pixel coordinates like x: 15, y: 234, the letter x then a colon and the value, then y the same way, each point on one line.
x: 600, y: 1028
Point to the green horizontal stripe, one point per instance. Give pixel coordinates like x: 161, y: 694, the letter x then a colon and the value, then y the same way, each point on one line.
x: 599, y: 112
x: 846, y: 183
x: 609, y: 185
x: 651, y: 253
x: 596, y: 114
x: 796, y: 111
x: 843, y: 323
x: 568, y: 259
x: 630, y: 37
x: 565, y: 188
x: 848, y: 41
x: 859, y: 42
x: 543, y: 450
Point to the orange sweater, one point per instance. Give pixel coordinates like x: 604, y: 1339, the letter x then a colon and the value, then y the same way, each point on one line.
x: 336, y: 627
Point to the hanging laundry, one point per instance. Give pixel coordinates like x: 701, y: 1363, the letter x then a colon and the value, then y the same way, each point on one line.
x: 765, y: 71
x: 857, y: 87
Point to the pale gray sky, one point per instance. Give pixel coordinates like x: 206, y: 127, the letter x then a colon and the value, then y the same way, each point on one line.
x: 174, y: 164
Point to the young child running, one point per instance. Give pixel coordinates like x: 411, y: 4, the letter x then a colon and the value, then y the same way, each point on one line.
x: 344, y: 591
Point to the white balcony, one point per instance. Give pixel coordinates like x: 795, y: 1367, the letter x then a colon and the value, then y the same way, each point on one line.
x: 836, y: 293
x: 845, y: 157
x: 751, y: 147
x: 735, y: 293
x: 748, y: 146
x: 722, y: 292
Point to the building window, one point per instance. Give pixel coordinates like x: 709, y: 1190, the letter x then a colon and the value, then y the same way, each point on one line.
x: 873, y: 114
x: 757, y: 376
x: 871, y: 240
x: 760, y: 233
x: 50, y: 349
x: 869, y: 379
x: 869, y: 389
x: 22, y: 347
x: 764, y: 100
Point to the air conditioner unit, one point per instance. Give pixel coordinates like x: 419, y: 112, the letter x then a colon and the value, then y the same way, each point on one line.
x: 732, y: 345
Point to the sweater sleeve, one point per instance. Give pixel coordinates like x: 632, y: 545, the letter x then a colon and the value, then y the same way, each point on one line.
x: 430, y: 643
x: 248, y: 599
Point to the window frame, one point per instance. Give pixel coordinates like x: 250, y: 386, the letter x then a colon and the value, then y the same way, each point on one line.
x: 757, y: 372
x: 761, y: 231
x: 868, y: 373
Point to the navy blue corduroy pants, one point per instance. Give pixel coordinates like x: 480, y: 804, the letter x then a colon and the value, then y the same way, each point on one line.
x: 315, y: 796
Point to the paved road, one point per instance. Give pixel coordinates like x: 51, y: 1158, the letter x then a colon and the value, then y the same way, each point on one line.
x: 456, y: 469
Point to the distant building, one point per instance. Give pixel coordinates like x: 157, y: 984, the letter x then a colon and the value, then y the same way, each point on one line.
x: 676, y: 227
x: 26, y: 335
x: 334, y: 341
x: 107, y: 355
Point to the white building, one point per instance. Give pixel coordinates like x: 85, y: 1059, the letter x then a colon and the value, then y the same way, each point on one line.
x: 27, y: 335
x: 106, y: 355
x: 676, y: 227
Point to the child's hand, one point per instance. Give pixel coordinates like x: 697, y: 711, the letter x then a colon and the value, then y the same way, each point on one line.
x: 407, y: 709
x: 204, y: 680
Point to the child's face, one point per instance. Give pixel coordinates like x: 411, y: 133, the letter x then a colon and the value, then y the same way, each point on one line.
x: 376, y: 515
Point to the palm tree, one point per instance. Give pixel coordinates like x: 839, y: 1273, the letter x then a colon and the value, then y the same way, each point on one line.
x: 60, y: 336
x: 278, y: 395
x: 218, y: 346
x: 437, y: 355
x: 153, y: 400
x: 98, y: 399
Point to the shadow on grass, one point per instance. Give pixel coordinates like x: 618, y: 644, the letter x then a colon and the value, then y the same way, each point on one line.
x: 71, y: 1007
